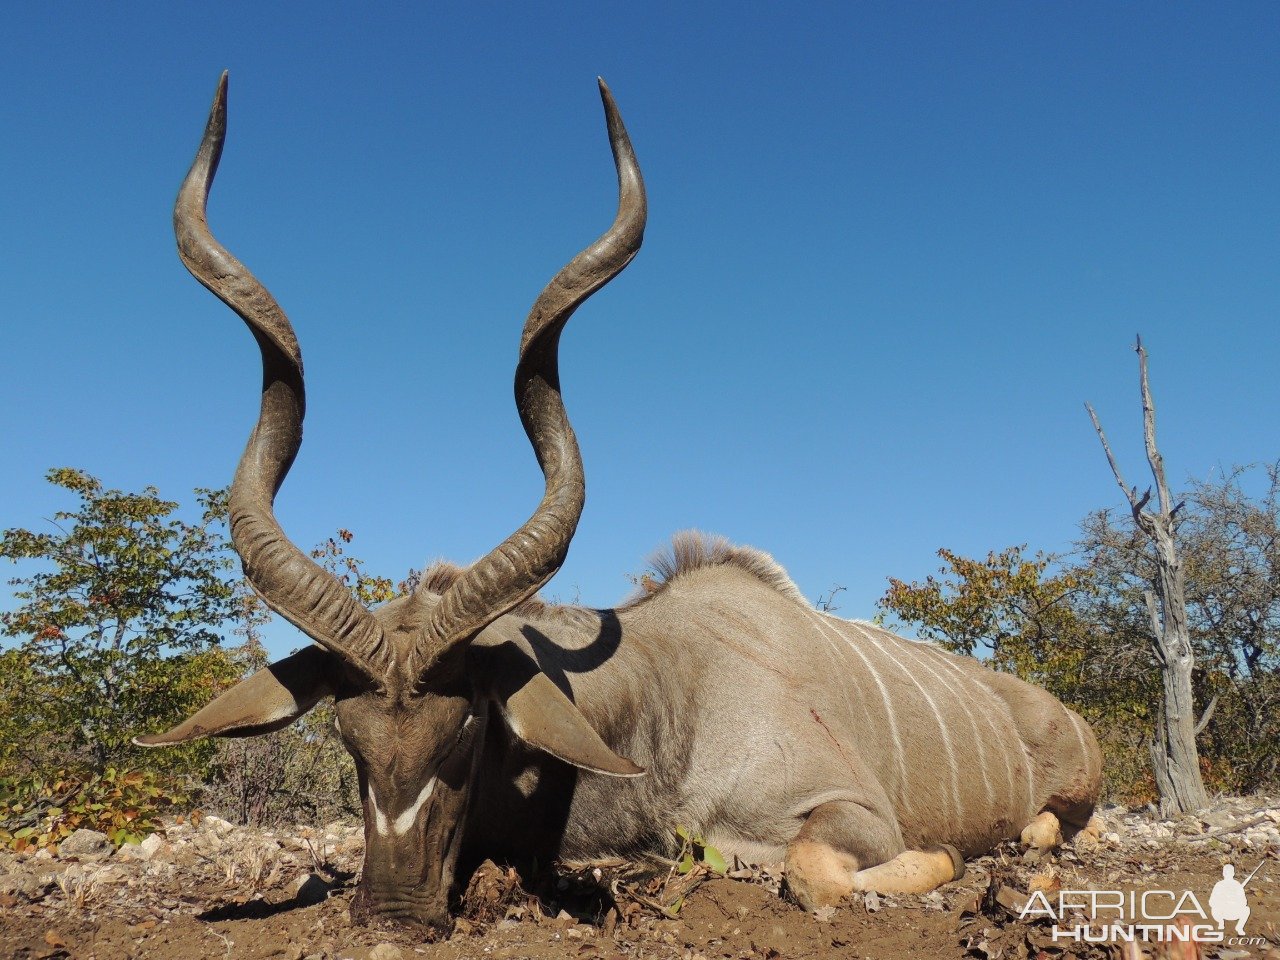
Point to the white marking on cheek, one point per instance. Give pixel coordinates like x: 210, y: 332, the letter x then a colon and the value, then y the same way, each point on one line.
x: 407, y: 819
x: 379, y: 818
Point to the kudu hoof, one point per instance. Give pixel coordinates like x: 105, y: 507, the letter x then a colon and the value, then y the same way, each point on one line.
x: 1043, y: 833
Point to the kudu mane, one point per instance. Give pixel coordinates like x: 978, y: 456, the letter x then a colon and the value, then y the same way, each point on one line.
x: 689, y: 551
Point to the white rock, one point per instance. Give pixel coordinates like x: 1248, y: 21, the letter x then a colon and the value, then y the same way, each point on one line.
x: 217, y: 826
x: 386, y: 951
x: 152, y: 845
x: 85, y: 843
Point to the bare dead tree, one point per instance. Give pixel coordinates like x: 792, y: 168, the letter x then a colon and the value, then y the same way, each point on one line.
x: 1175, y: 760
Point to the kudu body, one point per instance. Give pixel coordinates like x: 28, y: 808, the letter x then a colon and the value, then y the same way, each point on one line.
x: 483, y: 722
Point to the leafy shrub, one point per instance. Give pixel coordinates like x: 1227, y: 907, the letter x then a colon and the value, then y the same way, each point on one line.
x: 301, y: 774
x: 42, y: 811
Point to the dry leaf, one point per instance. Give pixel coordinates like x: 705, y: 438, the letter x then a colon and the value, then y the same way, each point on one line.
x: 1045, y: 881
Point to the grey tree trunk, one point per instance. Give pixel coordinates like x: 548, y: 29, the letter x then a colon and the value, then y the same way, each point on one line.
x: 1175, y: 760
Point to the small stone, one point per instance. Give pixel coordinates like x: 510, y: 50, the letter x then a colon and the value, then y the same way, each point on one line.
x: 25, y: 885
x: 209, y: 843
x: 217, y: 826
x: 85, y: 843
x: 1011, y: 900
x: 150, y: 846
x: 386, y: 951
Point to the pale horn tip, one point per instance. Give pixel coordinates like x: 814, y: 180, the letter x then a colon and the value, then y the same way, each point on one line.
x: 216, y: 126
x: 606, y: 95
x: 220, y: 95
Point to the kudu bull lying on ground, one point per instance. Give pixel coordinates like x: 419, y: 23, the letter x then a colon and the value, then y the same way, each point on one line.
x: 487, y: 723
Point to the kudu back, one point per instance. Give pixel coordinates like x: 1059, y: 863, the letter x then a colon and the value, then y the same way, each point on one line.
x: 485, y: 723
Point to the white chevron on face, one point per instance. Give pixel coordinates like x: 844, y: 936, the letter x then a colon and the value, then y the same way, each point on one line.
x: 410, y: 814
x: 379, y: 818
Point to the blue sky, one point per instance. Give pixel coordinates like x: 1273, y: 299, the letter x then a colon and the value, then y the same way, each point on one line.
x: 891, y: 249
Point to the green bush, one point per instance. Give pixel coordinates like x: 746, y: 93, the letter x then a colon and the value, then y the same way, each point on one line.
x: 42, y: 811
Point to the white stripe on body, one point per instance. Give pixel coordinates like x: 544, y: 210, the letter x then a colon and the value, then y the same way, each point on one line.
x: 1006, y: 755
x: 960, y: 696
x: 942, y: 725
x: 1077, y: 726
x: 903, y: 793
x: 999, y: 736
x: 839, y: 665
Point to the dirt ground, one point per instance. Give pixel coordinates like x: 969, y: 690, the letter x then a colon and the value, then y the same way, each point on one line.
x: 213, y: 890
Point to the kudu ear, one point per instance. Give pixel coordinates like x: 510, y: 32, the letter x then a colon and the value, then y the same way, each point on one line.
x: 272, y: 698
x: 539, y: 713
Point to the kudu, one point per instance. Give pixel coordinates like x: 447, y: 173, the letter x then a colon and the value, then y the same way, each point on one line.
x: 483, y: 722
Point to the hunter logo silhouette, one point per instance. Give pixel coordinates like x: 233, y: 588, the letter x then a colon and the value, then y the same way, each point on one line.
x: 1228, y: 900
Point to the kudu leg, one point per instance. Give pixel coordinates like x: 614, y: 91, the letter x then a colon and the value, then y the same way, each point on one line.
x: 825, y: 861
x: 913, y: 871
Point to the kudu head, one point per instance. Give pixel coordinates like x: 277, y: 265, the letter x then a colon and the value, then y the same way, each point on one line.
x: 414, y: 681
